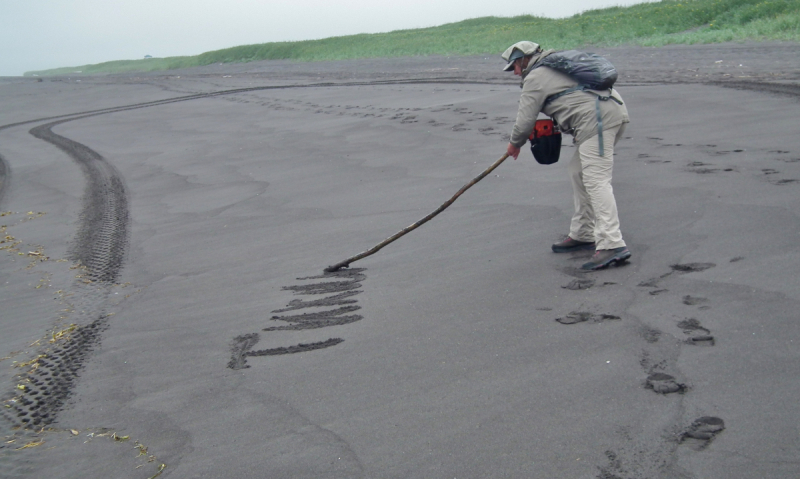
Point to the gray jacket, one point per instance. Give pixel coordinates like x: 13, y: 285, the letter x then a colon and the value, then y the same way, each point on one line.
x: 575, y: 112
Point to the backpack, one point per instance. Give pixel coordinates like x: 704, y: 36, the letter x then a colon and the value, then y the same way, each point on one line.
x: 591, y: 71
x: 588, y: 69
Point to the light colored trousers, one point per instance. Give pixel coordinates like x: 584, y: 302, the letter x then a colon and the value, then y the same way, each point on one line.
x: 595, y: 217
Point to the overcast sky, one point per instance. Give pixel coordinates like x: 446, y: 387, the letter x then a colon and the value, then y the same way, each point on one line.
x: 42, y: 34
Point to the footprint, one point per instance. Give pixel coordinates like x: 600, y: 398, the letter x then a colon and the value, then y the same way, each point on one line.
x: 575, y: 317
x: 691, y: 267
x: 582, y: 316
x: 702, y: 431
x: 650, y: 283
x: 698, y: 335
x: 693, y: 300
x: 460, y: 127
x: 691, y: 324
x: 701, y: 340
x: 651, y: 335
x: 649, y: 364
x: 663, y: 383
x: 784, y: 182
x: 577, y: 284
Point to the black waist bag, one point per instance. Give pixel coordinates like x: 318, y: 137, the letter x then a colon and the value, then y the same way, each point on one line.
x: 545, y: 142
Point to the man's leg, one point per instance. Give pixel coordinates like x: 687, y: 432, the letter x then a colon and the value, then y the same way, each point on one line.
x: 596, y: 174
x: 582, y: 225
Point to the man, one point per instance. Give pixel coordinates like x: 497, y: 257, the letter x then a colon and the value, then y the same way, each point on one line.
x: 595, y: 223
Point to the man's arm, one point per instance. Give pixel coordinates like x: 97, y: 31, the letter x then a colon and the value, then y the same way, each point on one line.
x: 530, y: 103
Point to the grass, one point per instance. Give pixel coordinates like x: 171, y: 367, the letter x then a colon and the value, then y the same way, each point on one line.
x: 647, y: 24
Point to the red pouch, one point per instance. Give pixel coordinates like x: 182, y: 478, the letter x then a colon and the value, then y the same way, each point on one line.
x: 545, y: 142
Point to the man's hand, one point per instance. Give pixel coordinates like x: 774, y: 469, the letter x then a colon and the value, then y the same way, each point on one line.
x: 512, y: 151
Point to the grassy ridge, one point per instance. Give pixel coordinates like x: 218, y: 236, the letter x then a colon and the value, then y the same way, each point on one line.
x: 647, y: 24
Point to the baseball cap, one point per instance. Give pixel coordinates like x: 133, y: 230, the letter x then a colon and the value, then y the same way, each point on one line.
x: 517, y: 51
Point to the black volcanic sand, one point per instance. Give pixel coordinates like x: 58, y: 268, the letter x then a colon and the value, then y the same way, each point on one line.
x: 164, y: 306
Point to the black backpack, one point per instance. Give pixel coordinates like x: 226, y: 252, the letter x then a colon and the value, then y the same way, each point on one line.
x: 591, y: 71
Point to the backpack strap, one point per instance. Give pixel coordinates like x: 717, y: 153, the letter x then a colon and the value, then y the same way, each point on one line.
x: 600, y: 116
x: 565, y: 92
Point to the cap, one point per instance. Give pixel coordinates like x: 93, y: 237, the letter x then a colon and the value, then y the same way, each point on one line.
x: 518, y: 50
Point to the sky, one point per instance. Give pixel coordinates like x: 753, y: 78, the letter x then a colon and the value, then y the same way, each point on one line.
x: 43, y: 34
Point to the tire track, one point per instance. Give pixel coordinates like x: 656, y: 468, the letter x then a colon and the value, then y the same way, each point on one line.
x: 5, y: 173
x: 101, y: 239
x: 45, y: 384
x: 197, y: 96
x: 787, y: 89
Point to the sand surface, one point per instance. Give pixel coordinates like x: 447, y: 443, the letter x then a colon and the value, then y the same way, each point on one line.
x: 164, y: 309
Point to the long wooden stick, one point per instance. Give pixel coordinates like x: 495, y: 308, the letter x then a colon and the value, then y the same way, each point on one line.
x: 377, y: 247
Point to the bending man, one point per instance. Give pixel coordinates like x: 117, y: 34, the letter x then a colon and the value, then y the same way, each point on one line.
x: 595, y: 223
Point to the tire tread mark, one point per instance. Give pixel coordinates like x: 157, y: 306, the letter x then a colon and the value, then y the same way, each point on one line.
x: 102, y: 234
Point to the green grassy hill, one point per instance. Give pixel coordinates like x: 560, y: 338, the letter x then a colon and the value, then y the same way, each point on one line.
x: 648, y: 24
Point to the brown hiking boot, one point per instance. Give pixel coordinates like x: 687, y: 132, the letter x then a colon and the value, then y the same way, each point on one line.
x: 569, y: 245
x: 605, y: 257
